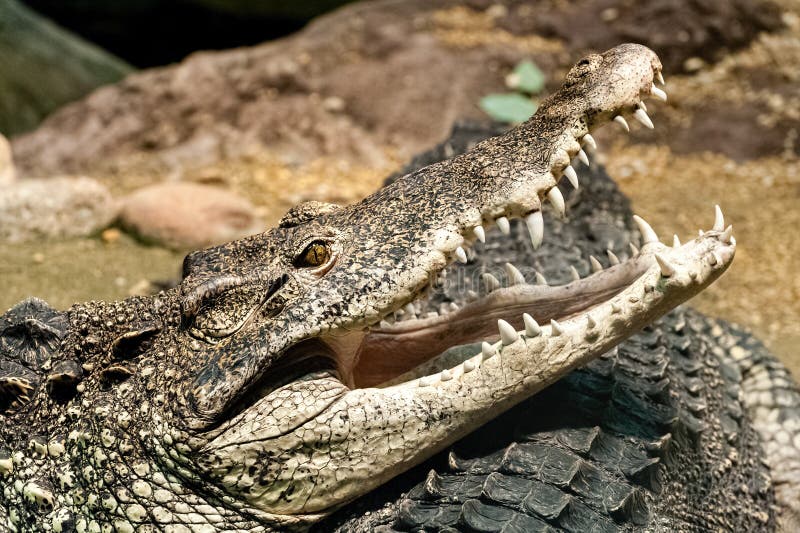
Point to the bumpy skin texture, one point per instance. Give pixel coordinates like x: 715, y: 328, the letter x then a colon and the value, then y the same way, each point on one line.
x: 208, y: 406
x: 660, y: 434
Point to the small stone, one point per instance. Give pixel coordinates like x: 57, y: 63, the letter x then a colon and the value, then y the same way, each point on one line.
x: 110, y: 235
x: 188, y: 215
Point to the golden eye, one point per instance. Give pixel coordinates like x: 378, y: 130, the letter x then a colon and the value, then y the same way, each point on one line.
x: 316, y: 254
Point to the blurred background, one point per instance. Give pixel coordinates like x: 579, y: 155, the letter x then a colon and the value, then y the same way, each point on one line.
x: 136, y: 130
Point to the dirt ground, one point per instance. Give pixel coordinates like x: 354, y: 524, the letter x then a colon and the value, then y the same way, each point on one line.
x: 728, y: 135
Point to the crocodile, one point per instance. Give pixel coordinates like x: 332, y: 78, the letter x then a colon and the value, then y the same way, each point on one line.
x: 288, y: 373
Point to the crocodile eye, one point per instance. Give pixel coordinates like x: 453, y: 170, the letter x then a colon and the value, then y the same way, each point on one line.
x: 314, y: 255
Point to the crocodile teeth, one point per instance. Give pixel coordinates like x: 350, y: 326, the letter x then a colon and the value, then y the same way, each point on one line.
x: 572, y: 176
x: 574, y: 273
x: 667, y: 269
x: 612, y: 258
x: 472, y: 295
x: 619, y: 119
x: 590, y: 142
x: 641, y: 116
x: 660, y: 78
x: 491, y: 282
x: 446, y: 375
x: 515, y: 277
x: 469, y: 365
x: 727, y: 235
x: 535, y: 224
x: 508, y: 335
x: 658, y: 93
x: 676, y: 242
x: 596, y: 266
x: 583, y: 157
x: 557, y: 200
x: 719, y: 219
x: 487, y: 350
x: 409, y: 308
x: 540, y: 279
x: 642, y: 106
x: 453, y: 306
x: 590, y: 323
x: 615, y: 308
x: 532, y: 328
x: 648, y: 235
x: 461, y: 255
x: 634, y: 249
x: 556, y: 328
x: 479, y: 233
x: 505, y: 227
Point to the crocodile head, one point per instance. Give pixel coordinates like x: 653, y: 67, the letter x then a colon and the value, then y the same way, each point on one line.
x: 289, y: 372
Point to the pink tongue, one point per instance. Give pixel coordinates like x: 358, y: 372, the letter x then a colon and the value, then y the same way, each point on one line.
x: 385, y: 354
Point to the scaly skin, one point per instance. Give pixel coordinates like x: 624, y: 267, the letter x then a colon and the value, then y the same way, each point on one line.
x: 241, y: 400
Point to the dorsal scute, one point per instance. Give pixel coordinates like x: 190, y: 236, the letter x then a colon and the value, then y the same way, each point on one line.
x: 30, y: 337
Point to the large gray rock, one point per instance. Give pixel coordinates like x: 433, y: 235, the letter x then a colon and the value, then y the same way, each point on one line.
x: 188, y: 215
x: 35, y: 209
x: 8, y: 174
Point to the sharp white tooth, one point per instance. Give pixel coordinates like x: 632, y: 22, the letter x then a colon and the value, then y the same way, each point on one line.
x: 453, y: 306
x: 461, y: 255
x: 615, y: 308
x: 535, y: 224
x: 540, y: 279
x: 658, y: 93
x: 508, y: 334
x: 719, y: 219
x: 590, y: 142
x: 583, y: 157
x: 619, y: 119
x: 667, y: 269
x: 642, y: 106
x: 470, y: 254
x: 572, y: 176
x: 648, y: 235
x: 410, y: 311
x: 700, y: 233
x: 427, y: 381
x: 726, y: 235
x: 634, y: 249
x: 676, y: 242
x: 641, y: 116
x: 515, y: 277
x: 385, y: 324
x: 733, y: 240
x: 557, y: 200
x: 472, y: 295
x: 532, y: 328
x: 660, y: 78
x: 590, y: 323
x: 716, y: 259
x: 596, y: 266
x: 444, y: 308
x: 574, y: 273
x: 505, y: 227
x: 491, y: 282
x: 479, y: 233
x: 487, y: 350
x: 431, y: 314
x: 469, y: 365
x: 556, y: 328
x: 446, y: 375
x: 612, y: 258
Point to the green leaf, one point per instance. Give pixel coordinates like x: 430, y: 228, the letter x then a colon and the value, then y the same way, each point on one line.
x: 529, y: 78
x: 508, y: 107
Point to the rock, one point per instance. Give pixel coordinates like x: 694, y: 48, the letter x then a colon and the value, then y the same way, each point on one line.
x: 44, y: 67
x: 188, y: 215
x: 62, y: 207
x: 8, y: 174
